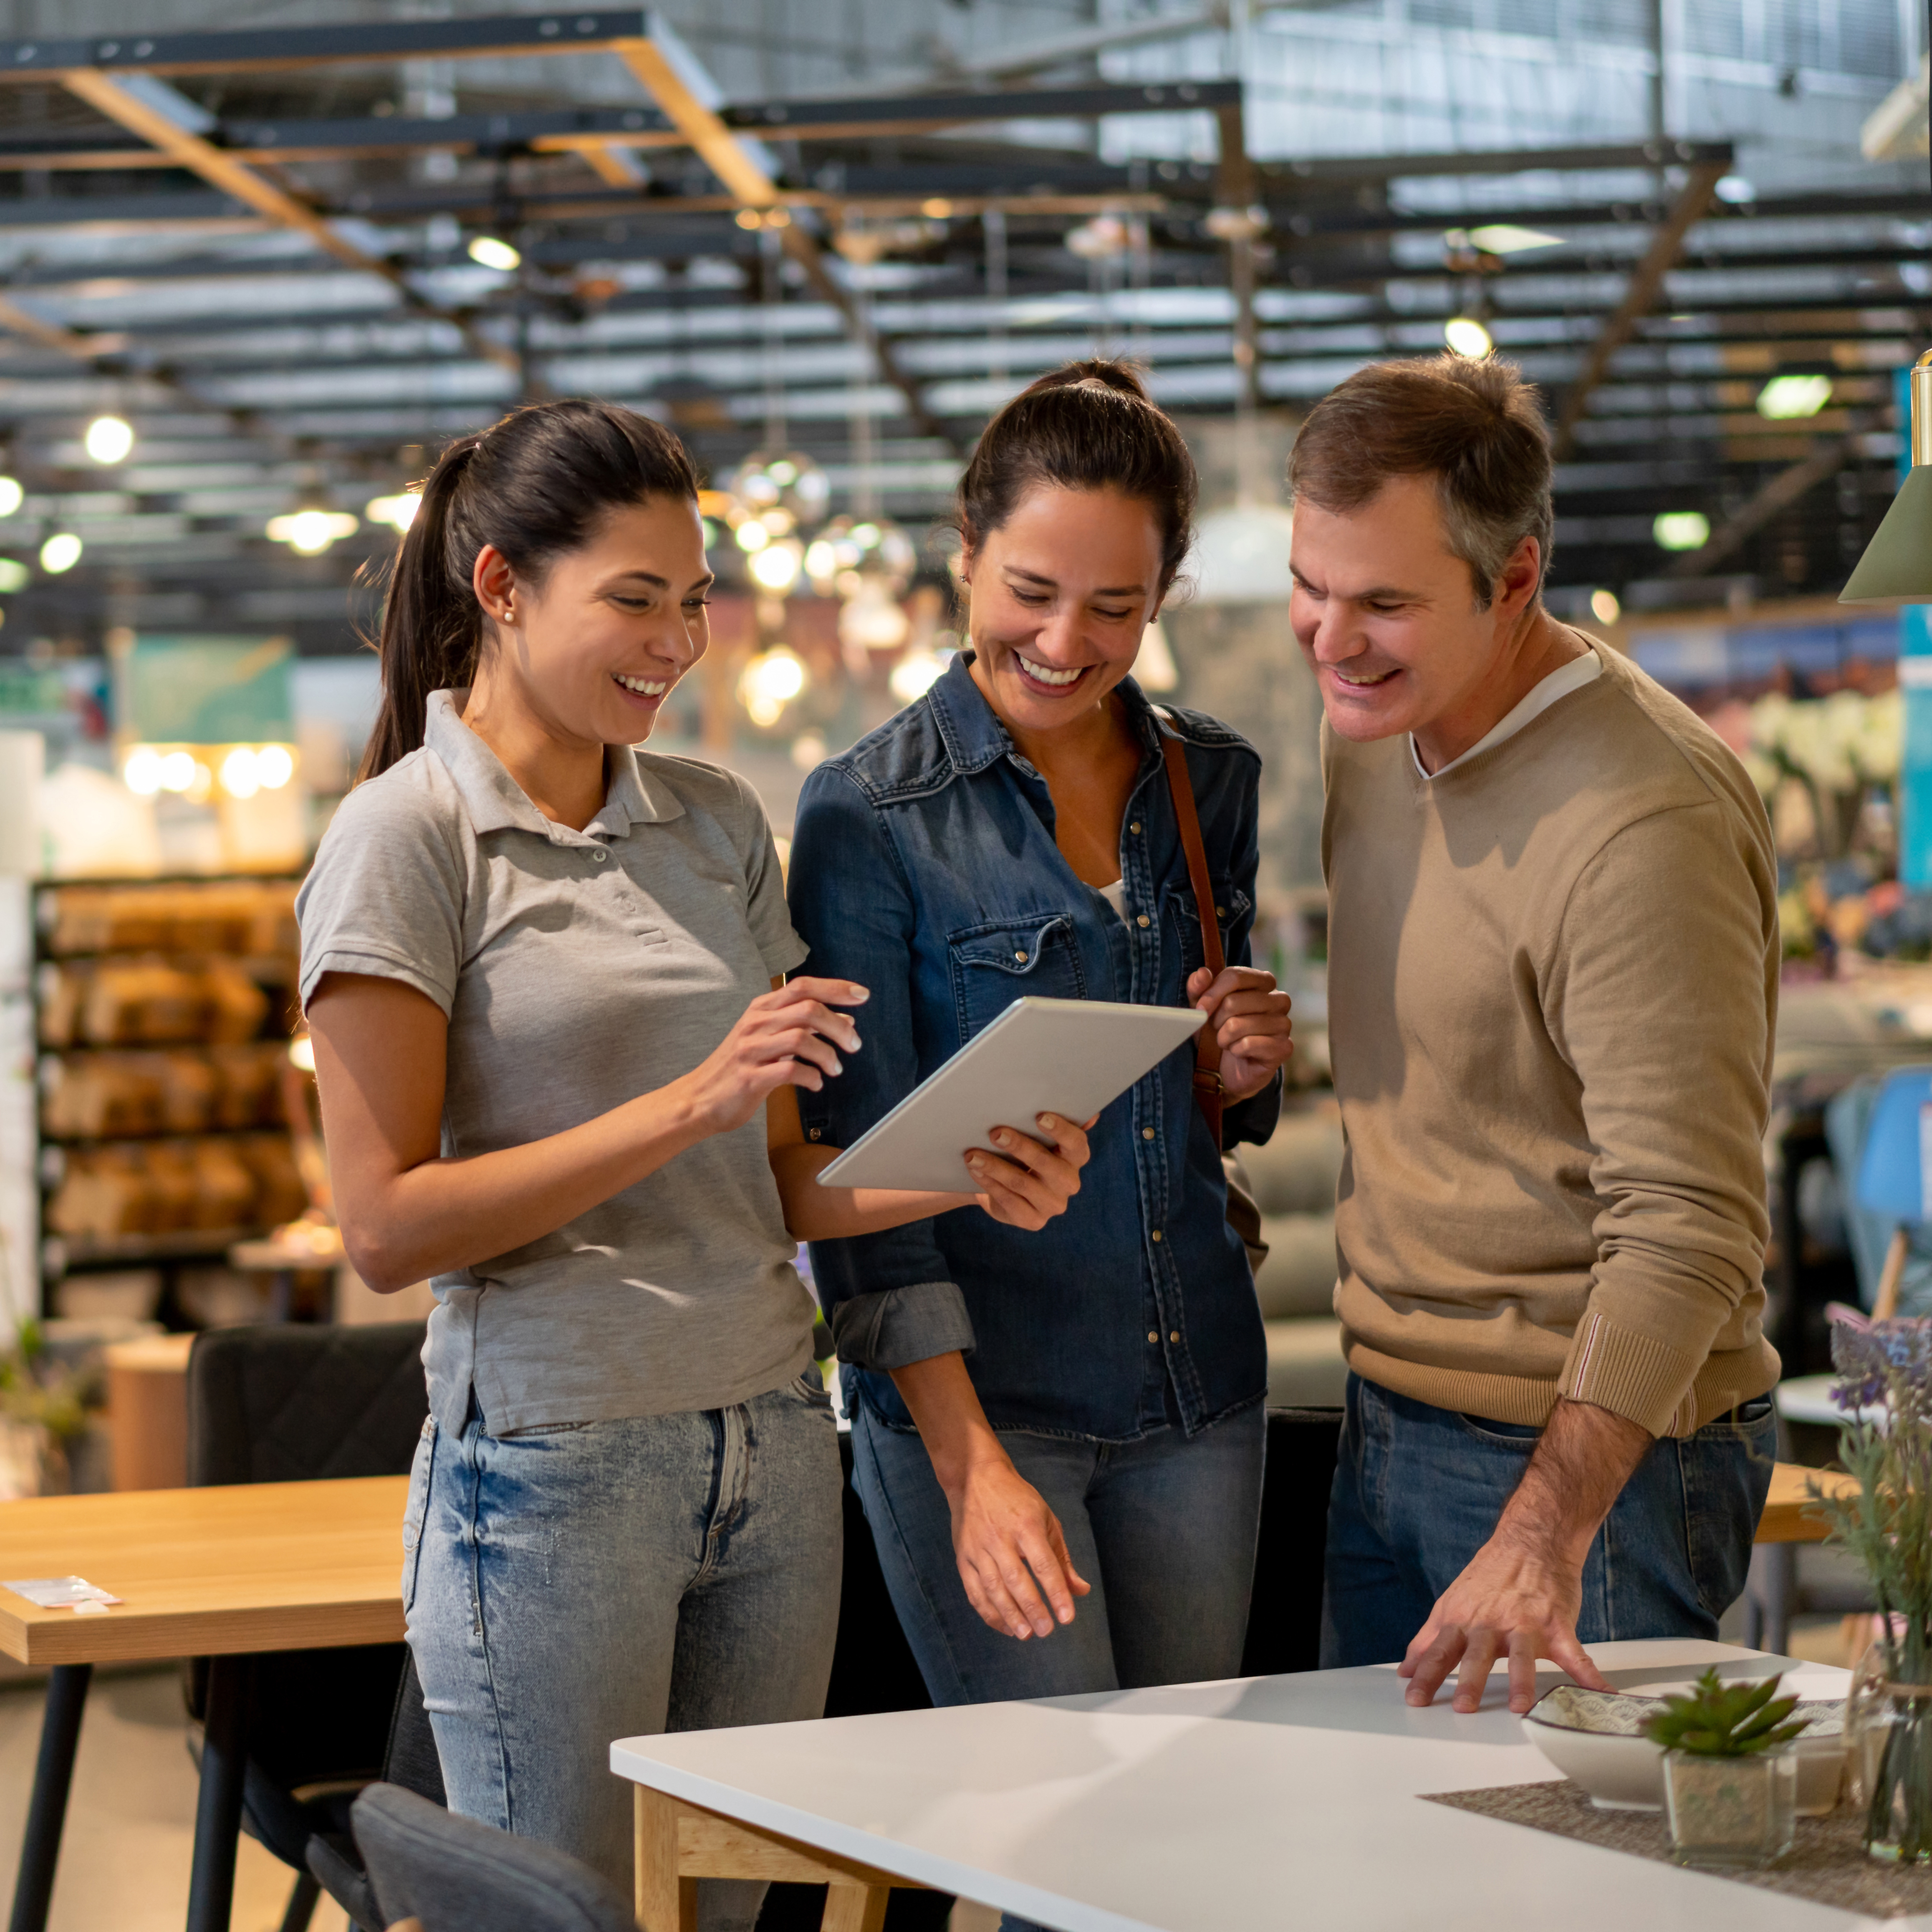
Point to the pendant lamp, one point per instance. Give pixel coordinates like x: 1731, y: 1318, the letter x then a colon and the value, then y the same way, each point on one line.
x: 1897, y: 566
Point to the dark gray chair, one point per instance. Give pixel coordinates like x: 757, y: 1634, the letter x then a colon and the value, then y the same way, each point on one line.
x: 455, y: 1875
x: 293, y: 1402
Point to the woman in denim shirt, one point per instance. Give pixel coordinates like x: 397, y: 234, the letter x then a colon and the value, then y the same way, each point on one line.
x: 1056, y: 1436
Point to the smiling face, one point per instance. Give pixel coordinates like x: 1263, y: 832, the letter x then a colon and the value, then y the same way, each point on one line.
x: 1061, y: 592
x: 594, y: 647
x: 1385, y: 613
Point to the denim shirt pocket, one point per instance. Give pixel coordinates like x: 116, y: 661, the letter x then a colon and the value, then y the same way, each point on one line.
x: 994, y: 964
x: 1231, y: 906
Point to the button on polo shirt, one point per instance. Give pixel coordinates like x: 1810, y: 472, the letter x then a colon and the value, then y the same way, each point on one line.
x: 578, y: 970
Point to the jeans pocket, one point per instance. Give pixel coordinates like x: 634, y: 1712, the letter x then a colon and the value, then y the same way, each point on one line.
x: 417, y: 1512
x: 811, y: 1390
x: 1727, y: 1474
x: 1520, y: 1437
x: 542, y: 1429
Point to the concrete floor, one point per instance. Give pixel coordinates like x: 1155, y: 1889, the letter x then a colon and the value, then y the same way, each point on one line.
x: 130, y: 1823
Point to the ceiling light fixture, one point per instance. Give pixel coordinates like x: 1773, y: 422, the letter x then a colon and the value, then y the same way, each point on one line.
x: 1604, y: 607
x: 11, y: 496
x: 1682, y: 529
x: 1897, y: 566
x: 398, y: 512
x: 491, y: 251
x: 1788, y: 398
x: 309, y: 532
x: 1467, y: 336
x: 109, y: 439
x: 1505, y: 237
x: 60, y: 552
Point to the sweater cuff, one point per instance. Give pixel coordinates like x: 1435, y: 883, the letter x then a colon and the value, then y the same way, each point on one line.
x: 1630, y: 1374
x: 899, y: 1326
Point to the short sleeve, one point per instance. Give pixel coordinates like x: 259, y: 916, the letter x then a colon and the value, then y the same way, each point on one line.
x: 386, y: 894
x: 777, y: 941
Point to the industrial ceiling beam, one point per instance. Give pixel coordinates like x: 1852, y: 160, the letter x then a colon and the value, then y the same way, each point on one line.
x: 115, y: 100
x: 1787, y: 487
x: 747, y: 181
x: 1639, y: 297
x: 271, y: 50
x: 554, y: 130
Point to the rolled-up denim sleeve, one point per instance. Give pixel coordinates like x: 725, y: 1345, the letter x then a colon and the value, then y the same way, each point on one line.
x: 890, y: 1298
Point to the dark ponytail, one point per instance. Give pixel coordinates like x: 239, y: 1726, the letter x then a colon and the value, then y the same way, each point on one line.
x: 535, y: 486
x: 1089, y: 426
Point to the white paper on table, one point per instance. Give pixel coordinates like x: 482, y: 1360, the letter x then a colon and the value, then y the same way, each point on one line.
x: 57, y: 1593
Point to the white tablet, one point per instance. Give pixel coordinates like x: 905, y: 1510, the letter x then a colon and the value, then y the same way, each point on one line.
x: 1064, y: 1057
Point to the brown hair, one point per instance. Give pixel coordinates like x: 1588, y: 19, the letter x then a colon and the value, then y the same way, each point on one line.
x: 535, y: 486
x: 1475, y: 426
x: 1091, y: 425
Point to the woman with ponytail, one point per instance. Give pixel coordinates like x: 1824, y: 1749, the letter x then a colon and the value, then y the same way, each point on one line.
x: 543, y: 970
x: 1058, y: 1442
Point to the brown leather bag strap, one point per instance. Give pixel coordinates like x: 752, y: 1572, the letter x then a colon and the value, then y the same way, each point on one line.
x: 1208, y: 1090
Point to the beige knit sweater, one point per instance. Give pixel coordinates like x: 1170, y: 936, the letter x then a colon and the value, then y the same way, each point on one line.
x: 1552, y: 986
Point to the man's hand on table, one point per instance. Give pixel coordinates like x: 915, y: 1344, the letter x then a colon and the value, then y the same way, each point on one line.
x: 1518, y: 1598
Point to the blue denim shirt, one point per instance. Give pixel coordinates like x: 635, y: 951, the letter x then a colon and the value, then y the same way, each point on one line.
x: 924, y: 866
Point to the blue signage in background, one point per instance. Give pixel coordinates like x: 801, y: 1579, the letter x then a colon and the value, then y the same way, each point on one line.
x: 1914, y: 687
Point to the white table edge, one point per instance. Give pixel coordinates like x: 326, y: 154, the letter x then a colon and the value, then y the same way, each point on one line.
x: 630, y: 1759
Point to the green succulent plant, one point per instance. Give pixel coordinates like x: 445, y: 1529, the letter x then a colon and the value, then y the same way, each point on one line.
x: 1720, y: 1720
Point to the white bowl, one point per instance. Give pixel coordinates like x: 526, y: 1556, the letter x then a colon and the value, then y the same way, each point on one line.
x: 1596, y: 1738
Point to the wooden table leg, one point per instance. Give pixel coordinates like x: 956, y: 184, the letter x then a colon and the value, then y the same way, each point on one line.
x: 218, y: 1817
x: 666, y: 1902
x: 856, y: 1908
x: 53, y: 1778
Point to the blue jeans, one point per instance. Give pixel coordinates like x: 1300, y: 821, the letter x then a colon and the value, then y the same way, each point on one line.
x: 1418, y: 1489
x: 565, y: 1587
x: 1163, y: 1528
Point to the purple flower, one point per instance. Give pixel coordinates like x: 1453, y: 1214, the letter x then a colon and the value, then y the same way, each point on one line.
x: 1878, y: 1360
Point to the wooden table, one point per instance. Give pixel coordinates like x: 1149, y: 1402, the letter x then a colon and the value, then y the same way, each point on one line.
x: 1787, y: 1516
x: 216, y: 1573
x: 1271, y: 1802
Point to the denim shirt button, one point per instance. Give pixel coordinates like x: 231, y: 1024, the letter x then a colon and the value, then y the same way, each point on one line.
x: 1173, y: 1335
x: 1142, y: 919
x: 1134, y: 826
x: 1155, y: 1236
x: 1020, y: 957
x: 1152, y: 1337
x: 812, y: 1133
x: 1146, y: 1133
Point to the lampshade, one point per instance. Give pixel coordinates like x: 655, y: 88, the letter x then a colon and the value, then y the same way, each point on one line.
x: 1897, y: 566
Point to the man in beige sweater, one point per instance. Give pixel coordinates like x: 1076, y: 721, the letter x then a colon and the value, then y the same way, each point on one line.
x: 1553, y: 983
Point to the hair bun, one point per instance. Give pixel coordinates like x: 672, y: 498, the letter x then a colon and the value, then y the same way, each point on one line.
x: 1096, y: 372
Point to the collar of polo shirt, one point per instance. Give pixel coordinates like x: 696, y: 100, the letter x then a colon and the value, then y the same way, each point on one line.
x: 495, y: 802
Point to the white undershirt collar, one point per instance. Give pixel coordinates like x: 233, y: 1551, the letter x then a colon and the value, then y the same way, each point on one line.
x: 1559, y: 684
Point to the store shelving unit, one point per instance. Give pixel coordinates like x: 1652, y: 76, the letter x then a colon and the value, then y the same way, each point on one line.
x: 163, y: 1011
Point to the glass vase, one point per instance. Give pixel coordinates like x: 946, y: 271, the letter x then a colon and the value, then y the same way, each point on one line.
x: 1730, y: 1813
x: 1888, y: 1735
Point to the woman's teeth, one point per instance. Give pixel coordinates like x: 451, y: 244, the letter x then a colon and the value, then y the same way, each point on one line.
x: 1364, y: 683
x: 642, y: 686
x: 1046, y: 674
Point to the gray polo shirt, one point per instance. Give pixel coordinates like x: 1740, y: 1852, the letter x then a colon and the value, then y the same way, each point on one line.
x: 579, y: 969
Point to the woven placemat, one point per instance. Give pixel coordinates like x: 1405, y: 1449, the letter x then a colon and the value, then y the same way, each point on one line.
x: 1828, y: 1864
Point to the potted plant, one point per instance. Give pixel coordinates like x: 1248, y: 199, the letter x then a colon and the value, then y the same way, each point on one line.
x: 43, y: 1410
x: 1884, y: 1387
x: 1730, y: 1786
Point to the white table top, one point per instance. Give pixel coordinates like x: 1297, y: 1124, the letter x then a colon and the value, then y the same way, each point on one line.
x: 1280, y: 1801
x: 1808, y: 1398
